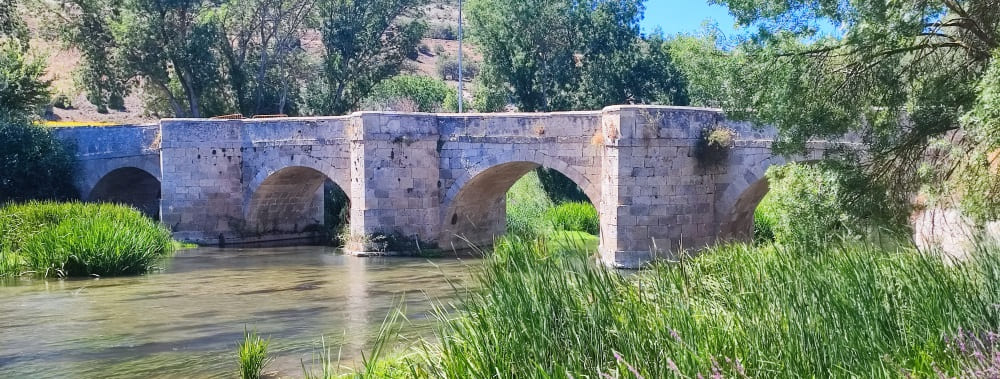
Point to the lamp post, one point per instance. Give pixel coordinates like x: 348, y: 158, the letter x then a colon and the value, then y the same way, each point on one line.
x: 460, y: 76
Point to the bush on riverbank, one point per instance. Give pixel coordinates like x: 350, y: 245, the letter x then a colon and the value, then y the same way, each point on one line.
x: 33, y: 162
x: 77, y: 239
x: 736, y: 310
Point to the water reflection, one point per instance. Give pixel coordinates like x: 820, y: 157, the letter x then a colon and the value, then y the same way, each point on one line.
x: 185, y: 321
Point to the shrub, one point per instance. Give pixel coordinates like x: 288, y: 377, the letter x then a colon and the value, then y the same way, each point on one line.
x: 803, y: 201
x: 559, y: 187
x: 446, y: 32
x: 427, y: 93
x: 764, y: 218
x: 252, y: 354
x: 438, y: 49
x: 574, y: 217
x: 424, y: 49
x: 336, y: 212
x: 488, y: 98
x: 62, y: 101
x: 35, y: 165
x: 76, y: 239
x: 447, y: 68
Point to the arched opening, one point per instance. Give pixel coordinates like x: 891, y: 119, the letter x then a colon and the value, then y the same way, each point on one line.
x: 514, y: 198
x: 740, y: 225
x: 787, y: 200
x: 297, y: 204
x: 130, y: 186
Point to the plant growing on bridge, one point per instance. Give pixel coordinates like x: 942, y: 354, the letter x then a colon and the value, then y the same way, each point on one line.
x: 714, y: 143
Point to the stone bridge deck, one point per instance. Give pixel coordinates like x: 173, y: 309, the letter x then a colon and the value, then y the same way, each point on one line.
x: 439, y: 179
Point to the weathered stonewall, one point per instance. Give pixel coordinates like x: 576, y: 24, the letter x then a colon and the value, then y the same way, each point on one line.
x: 435, y: 179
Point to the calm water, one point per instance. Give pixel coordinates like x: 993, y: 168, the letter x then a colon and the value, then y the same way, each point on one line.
x: 184, y: 322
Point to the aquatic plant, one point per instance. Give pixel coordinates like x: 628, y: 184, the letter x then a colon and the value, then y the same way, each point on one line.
x: 252, y: 354
x: 77, y: 239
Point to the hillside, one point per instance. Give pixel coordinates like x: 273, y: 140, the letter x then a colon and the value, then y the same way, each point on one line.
x: 440, y: 16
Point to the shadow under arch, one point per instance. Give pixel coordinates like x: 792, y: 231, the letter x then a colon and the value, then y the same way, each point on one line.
x: 288, y: 205
x: 130, y: 186
x: 475, y: 213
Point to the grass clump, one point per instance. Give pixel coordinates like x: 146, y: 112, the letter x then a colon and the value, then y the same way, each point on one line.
x: 252, y: 354
x: 574, y: 217
x: 77, y: 239
x: 791, y: 310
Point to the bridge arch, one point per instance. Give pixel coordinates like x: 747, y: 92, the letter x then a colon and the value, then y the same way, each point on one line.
x: 131, y: 186
x: 735, y: 207
x: 474, y: 207
x: 287, y: 203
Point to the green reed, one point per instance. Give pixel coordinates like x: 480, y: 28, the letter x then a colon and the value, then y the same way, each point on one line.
x: 77, y: 239
x: 252, y: 354
x: 848, y: 309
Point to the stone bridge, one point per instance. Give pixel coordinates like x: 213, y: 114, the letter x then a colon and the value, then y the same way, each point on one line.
x: 439, y: 179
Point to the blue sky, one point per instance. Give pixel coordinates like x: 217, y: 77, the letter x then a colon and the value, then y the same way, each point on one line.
x: 684, y: 16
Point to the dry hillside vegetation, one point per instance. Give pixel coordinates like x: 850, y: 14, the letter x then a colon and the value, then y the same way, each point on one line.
x: 63, y: 60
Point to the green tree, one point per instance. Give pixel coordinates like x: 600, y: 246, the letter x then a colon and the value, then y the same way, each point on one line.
x: 264, y: 54
x: 366, y: 42
x: 23, y: 90
x: 170, y: 46
x: 86, y: 25
x: 901, y: 75
x: 589, y: 54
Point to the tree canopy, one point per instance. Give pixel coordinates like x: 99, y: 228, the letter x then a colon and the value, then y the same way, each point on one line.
x: 900, y: 75
x: 563, y: 54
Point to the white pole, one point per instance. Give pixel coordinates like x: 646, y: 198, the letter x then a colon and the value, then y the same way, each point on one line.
x: 460, y: 77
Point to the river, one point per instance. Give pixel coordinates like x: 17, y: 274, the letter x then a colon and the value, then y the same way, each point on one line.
x: 184, y: 321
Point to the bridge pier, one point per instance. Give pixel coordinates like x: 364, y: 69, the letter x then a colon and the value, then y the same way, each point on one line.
x: 394, y: 181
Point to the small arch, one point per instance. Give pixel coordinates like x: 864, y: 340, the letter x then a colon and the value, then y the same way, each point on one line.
x: 289, y: 203
x: 475, y: 209
x: 741, y: 200
x: 131, y: 186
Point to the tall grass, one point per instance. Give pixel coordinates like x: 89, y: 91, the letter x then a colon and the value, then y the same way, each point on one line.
x: 77, y: 239
x: 574, y: 217
x: 252, y: 354
x: 847, y: 310
x: 527, y: 205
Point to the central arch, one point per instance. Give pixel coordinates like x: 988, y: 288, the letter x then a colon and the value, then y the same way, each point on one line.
x: 475, y: 210
x: 288, y: 204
